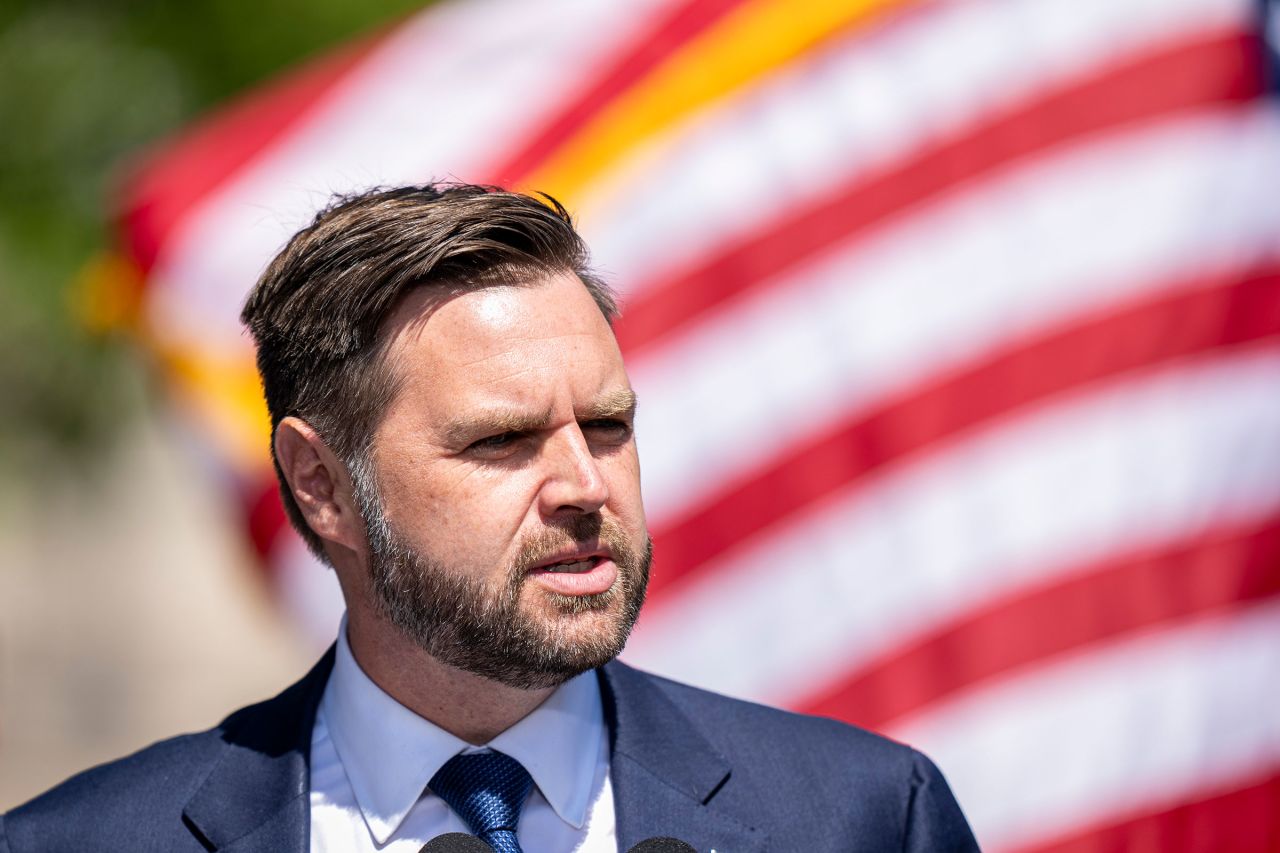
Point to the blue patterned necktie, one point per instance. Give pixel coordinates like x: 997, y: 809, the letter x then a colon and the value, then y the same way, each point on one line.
x: 487, y: 790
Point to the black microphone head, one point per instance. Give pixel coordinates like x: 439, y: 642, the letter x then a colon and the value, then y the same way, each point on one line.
x: 662, y: 845
x: 455, y: 842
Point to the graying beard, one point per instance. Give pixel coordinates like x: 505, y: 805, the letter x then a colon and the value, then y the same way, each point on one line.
x: 460, y: 624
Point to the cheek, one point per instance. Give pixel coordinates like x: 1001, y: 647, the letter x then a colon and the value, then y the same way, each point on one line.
x: 469, y: 508
x: 623, y: 471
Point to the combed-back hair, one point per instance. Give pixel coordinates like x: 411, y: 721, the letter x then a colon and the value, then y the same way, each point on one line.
x: 317, y: 310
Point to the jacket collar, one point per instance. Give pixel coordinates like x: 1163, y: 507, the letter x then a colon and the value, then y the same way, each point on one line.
x: 256, y: 797
x: 667, y: 778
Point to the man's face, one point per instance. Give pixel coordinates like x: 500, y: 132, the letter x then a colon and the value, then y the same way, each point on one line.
x: 506, y: 533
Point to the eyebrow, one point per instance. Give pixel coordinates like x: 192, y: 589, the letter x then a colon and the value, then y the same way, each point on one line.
x: 464, y: 430
x: 614, y: 404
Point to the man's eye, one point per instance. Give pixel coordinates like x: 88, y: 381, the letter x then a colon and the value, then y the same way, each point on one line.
x: 501, y: 441
x: 608, y: 429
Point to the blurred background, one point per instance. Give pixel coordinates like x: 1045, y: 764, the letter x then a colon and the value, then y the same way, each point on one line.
x: 956, y: 325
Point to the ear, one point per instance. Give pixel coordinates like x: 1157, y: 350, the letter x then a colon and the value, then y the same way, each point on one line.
x: 320, y: 484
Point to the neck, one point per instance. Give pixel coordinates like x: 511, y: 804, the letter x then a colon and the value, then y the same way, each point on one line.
x: 468, y: 706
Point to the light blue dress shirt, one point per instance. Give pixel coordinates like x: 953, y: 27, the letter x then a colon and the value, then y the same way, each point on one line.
x: 371, y: 759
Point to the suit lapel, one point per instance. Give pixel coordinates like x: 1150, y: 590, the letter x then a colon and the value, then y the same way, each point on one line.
x: 256, y: 798
x: 667, y: 778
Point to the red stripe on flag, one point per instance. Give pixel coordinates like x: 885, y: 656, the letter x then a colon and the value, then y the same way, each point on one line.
x: 1197, y: 577
x: 1242, y: 820
x: 265, y: 515
x: 1193, y: 75
x: 1217, y: 312
x: 173, y: 180
x: 632, y: 64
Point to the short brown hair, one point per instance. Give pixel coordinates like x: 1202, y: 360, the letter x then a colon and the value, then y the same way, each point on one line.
x: 316, y: 312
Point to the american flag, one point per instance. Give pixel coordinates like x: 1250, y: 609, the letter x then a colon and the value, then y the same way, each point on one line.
x: 956, y: 328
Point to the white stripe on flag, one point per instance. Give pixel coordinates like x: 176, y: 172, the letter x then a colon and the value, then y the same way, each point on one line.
x: 1131, y: 726
x: 1096, y: 225
x: 444, y: 97
x: 307, y: 589
x: 1126, y: 464
x: 873, y: 97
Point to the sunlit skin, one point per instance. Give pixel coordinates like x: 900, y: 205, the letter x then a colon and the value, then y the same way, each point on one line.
x: 514, y: 414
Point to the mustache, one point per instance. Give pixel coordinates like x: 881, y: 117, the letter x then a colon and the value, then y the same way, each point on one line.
x: 580, y: 532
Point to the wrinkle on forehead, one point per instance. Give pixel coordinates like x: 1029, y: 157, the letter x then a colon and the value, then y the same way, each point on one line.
x: 408, y: 322
x: 494, y: 307
x: 406, y: 328
x: 488, y: 345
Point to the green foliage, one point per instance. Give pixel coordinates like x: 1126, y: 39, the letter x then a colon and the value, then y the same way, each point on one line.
x: 84, y: 85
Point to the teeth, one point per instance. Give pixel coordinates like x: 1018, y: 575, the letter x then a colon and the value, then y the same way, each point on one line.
x: 580, y: 566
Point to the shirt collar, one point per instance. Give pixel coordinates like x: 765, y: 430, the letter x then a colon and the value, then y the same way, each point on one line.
x: 389, y: 753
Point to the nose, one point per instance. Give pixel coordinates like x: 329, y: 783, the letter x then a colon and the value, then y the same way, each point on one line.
x: 573, y: 482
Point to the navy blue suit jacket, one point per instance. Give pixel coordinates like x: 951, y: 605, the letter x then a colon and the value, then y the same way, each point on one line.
x: 718, y: 773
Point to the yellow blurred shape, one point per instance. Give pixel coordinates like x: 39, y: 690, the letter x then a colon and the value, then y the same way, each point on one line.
x: 749, y: 42
x: 225, y: 398
x: 106, y: 293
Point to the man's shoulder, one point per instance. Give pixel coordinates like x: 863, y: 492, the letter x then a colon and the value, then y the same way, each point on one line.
x: 163, y: 769
x: 876, y: 793
x: 151, y: 787
x: 103, y: 800
x: 729, y: 722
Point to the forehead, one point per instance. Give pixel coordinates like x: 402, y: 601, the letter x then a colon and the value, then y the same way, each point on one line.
x: 504, y: 342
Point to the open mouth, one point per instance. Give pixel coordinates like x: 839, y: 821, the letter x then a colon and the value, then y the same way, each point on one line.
x: 577, y: 575
x: 572, y: 566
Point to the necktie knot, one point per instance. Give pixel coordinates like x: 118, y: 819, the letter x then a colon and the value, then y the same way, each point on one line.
x: 487, y: 790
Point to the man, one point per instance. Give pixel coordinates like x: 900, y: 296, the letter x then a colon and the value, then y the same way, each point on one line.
x: 453, y: 433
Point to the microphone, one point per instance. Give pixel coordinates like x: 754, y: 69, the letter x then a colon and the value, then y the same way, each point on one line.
x: 456, y: 842
x: 662, y: 844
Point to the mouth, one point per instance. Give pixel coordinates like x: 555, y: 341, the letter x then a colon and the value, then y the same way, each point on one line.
x: 572, y: 565
x: 576, y: 574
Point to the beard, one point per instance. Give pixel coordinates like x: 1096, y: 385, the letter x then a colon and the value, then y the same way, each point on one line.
x: 472, y: 624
